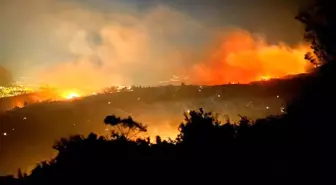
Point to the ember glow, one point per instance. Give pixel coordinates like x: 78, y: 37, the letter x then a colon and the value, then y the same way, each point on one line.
x: 265, y: 78
x: 71, y: 95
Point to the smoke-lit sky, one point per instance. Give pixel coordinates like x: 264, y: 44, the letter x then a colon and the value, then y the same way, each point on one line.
x: 103, y: 42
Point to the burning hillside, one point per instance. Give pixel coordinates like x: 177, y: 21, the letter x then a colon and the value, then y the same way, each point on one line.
x: 236, y: 56
x: 84, y: 51
x: 36, y: 126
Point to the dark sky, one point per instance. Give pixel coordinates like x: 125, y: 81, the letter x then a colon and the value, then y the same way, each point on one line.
x: 275, y: 18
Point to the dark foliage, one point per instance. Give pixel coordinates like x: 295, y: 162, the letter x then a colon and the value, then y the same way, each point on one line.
x: 205, y: 148
x: 311, y: 114
x: 320, y: 26
x: 127, y: 127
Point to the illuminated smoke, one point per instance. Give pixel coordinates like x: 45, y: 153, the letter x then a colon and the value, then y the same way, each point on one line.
x: 85, y: 49
x: 5, y: 76
x: 240, y: 57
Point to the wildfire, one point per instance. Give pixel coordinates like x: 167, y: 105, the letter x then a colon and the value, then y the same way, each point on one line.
x: 265, y: 78
x: 241, y: 57
x: 236, y: 57
x: 70, y: 95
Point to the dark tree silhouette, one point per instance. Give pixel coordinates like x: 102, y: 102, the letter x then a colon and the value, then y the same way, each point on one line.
x: 198, y: 128
x: 320, y: 27
x: 203, y: 146
x: 311, y: 114
x: 127, y: 127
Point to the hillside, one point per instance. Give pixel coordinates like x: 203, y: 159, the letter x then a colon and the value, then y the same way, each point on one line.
x: 37, y: 125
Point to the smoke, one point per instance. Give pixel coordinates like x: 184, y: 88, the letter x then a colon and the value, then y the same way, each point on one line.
x: 72, y: 45
x: 69, y: 44
x: 237, y: 56
x: 5, y: 77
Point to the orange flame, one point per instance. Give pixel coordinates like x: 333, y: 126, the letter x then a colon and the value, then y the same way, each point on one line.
x: 240, y: 57
x: 69, y: 95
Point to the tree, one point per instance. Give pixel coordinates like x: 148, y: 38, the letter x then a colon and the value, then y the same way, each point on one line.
x: 311, y: 113
x: 317, y: 97
x: 320, y: 29
x: 126, y: 127
x: 199, y: 127
x: 20, y: 174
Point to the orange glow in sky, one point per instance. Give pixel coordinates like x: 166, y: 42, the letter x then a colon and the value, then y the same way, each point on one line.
x: 238, y: 56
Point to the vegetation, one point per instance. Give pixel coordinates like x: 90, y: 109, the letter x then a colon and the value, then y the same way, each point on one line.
x: 203, y: 143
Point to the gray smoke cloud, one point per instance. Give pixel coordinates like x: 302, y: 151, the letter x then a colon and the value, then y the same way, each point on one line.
x: 99, y: 43
x: 63, y: 43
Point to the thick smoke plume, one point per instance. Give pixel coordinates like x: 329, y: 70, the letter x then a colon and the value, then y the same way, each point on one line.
x: 240, y: 57
x: 72, y: 45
